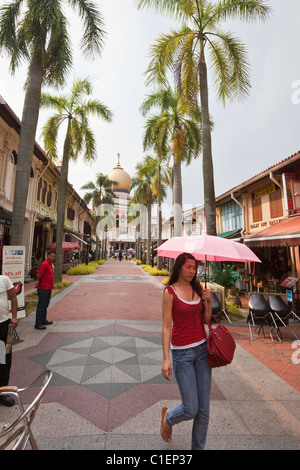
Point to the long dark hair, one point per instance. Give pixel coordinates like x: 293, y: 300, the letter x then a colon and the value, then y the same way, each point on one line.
x: 180, y: 260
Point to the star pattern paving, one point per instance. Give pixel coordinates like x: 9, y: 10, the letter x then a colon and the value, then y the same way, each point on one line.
x: 108, y: 364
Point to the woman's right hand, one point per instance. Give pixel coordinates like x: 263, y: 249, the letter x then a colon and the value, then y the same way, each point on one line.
x: 167, y: 369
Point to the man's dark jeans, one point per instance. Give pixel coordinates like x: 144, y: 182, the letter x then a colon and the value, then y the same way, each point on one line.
x: 5, y: 368
x: 43, y: 303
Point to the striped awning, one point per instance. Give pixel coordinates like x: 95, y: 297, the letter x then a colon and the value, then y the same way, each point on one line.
x: 286, y: 232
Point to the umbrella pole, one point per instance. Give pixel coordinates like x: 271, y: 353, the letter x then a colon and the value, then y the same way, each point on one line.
x: 205, y: 271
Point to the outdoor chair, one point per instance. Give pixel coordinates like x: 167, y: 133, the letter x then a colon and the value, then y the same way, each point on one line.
x: 16, y: 440
x: 217, y: 310
x: 282, y: 313
x: 260, y: 315
x: 16, y: 435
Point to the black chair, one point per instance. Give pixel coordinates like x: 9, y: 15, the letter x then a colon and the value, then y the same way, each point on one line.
x: 217, y: 309
x: 260, y: 315
x: 282, y: 313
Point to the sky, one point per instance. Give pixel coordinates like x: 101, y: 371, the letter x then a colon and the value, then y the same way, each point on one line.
x: 248, y: 137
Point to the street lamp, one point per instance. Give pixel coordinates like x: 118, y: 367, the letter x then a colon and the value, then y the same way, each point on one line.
x: 47, y: 222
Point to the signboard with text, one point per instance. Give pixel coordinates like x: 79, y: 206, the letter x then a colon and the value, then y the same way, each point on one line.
x: 13, y: 266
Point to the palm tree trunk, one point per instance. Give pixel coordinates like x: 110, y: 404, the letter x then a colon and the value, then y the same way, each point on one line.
x: 208, y: 172
x: 149, y: 232
x: 62, y: 192
x: 177, y: 198
x: 159, y: 220
x: 97, y: 236
x: 26, y: 147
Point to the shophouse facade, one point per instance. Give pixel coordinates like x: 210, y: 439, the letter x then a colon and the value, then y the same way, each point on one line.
x: 41, y: 208
x: 264, y: 213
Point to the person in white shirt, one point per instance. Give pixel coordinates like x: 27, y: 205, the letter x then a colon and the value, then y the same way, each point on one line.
x: 7, y: 292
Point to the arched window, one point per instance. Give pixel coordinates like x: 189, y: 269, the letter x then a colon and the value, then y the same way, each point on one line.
x: 38, y: 194
x: 49, y: 197
x: 44, y: 191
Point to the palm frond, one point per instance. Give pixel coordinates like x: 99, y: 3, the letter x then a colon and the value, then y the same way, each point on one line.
x: 94, y: 33
x: 231, y: 69
x: 49, y: 132
x: 169, y: 7
x: 60, y: 103
x: 244, y: 10
x: 12, y: 34
x: 162, y: 56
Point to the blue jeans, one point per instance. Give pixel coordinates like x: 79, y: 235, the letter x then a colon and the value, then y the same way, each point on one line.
x: 193, y: 375
x: 43, y: 304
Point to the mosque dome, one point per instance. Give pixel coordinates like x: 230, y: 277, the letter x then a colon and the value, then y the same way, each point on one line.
x: 122, y: 178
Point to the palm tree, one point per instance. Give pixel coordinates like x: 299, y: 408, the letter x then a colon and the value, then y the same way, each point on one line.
x: 162, y: 179
x: 35, y: 31
x: 177, y: 125
x: 154, y: 138
x: 184, y: 53
x: 143, y: 184
x: 74, y: 110
x: 99, y: 193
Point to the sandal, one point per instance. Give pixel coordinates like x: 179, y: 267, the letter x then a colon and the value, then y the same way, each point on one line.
x: 165, y: 434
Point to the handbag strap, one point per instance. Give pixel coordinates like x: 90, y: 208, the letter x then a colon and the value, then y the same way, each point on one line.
x: 209, y: 323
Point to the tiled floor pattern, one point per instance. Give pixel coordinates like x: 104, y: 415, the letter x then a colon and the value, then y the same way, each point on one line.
x: 106, y: 376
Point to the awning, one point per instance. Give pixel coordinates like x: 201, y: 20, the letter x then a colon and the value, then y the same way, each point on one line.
x: 5, y: 217
x: 76, y: 236
x: 286, y: 232
x: 231, y: 234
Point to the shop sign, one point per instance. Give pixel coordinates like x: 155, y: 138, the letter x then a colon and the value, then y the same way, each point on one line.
x: 13, y: 266
x: 264, y: 191
x: 5, y: 222
x: 5, y: 217
x: 289, y: 296
x: 196, y: 228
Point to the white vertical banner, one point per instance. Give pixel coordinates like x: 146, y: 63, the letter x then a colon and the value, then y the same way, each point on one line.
x: 13, y: 266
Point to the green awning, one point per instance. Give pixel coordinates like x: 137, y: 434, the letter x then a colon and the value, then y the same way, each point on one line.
x: 231, y: 234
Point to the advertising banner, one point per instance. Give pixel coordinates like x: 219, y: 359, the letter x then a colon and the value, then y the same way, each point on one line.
x: 13, y: 266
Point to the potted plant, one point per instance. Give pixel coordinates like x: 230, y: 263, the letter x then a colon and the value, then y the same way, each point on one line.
x: 227, y: 277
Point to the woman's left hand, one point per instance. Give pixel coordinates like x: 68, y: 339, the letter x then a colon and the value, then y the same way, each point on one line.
x: 206, y: 295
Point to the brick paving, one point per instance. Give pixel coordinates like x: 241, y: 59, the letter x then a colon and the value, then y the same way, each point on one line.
x: 113, y: 292
x: 277, y: 356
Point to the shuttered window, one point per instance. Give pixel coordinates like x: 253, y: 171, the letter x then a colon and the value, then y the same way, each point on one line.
x: 276, y: 209
x: 256, y: 209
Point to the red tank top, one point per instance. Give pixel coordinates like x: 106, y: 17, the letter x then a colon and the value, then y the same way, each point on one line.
x: 187, y: 325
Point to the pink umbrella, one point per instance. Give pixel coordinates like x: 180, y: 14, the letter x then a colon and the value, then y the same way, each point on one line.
x: 207, y: 248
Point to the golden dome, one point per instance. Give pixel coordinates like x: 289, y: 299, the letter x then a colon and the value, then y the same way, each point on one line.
x: 122, y: 178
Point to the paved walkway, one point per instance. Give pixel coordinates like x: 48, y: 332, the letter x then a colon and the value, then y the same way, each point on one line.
x: 107, y: 391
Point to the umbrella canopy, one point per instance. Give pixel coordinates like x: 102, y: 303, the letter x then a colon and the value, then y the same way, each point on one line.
x: 207, y: 248
x: 65, y: 246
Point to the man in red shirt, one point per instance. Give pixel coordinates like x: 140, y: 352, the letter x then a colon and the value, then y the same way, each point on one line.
x: 45, y: 279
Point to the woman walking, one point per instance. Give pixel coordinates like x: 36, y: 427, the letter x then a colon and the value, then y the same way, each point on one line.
x: 183, y: 308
